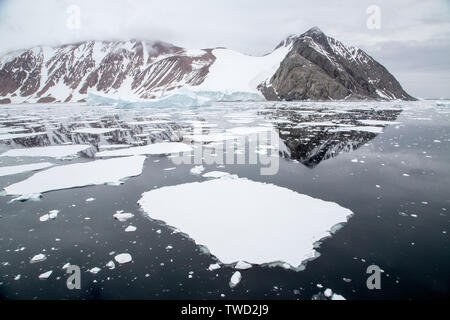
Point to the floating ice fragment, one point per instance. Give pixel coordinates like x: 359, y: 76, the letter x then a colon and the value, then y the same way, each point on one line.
x: 197, y: 170
x: 122, y: 217
x: 215, y: 174
x: 111, y: 265
x: 259, y: 213
x: 59, y: 151
x: 4, y: 171
x: 45, y: 275
x: 242, y: 265
x: 151, y: 149
x: 90, y: 199
x: 235, y: 279
x: 328, y: 292
x: 95, y: 270
x: 79, y: 175
x: 38, y: 258
x: 336, y: 296
x: 214, y: 266
x: 123, y: 258
x: 130, y: 229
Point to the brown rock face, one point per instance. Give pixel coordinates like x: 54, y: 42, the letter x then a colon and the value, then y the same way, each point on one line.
x: 67, y: 73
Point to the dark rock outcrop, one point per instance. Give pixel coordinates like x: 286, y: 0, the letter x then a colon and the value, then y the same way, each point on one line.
x: 319, y: 67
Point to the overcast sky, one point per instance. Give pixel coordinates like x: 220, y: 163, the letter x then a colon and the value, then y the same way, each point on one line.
x: 413, y: 41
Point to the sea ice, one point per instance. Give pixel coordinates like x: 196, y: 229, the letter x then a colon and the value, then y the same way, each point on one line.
x: 242, y: 265
x: 123, y: 258
x: 215, y: 174
x: 214, y: 266
x: 38, y: 258
x: 5, y: 171
x: 123, y: 216
x: 45, y: 275
x: 246, y: 220
x: 79, y: 175
x: 49, y: 151
x: 197, y: 170
x: 156, y: 148
x: 235, y: 279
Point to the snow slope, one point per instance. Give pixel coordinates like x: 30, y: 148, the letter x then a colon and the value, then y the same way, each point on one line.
x: 234, y: 72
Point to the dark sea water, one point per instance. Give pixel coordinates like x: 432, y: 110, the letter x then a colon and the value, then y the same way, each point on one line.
x: 398, y: 190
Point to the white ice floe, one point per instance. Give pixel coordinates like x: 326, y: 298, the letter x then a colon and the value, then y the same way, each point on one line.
x: 130, y: 229
x: 328, y: 292
x: 38, y: 258
x: 49, y: 151
x: 95, y: 270
x: 156, y: 148
x: 90, y: 199
x: 336, y: 296
x: 45, y: 275
x: 197, y: 170
x: 123, y: 258
x: 261, y: 223
x: 235, y: 279
x: 215, y: 174
x: 242, y: 265
x: 123, y: 216
x: 51, y: 215
x: 111, y: 265
x: 214, y: 266
x: 27, y: 197
x: 5, y: 171
x: 79, y: 175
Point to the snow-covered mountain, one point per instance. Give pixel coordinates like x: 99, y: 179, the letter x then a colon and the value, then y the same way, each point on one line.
x: 308, y: 66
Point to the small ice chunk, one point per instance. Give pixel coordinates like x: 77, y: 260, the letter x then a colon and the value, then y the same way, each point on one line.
x: 214, y: 266
x: 130, y: 229
x: 111, y: 265
x: 17, y: 277
x: 38, y: 258
x: 45, y: 275
x: 235, y: 279
x: 123, y: 216
x: 44, y: 218
x: 215, y: 174
x: 52, y: 214
x: 328, y: 292
x: 336, y: 296
x: 95, y: 270
x: 197, y: 170
x: 123, y: 258
x: 66, y: 266
x: 242, y: 265
x: 90, y: 199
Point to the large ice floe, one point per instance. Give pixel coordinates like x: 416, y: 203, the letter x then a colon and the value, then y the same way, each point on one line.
x: 243, y: 220
x: 5, y: 171
x: 78, y: 175
x: 156, y: 148
x: 48, y: 151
